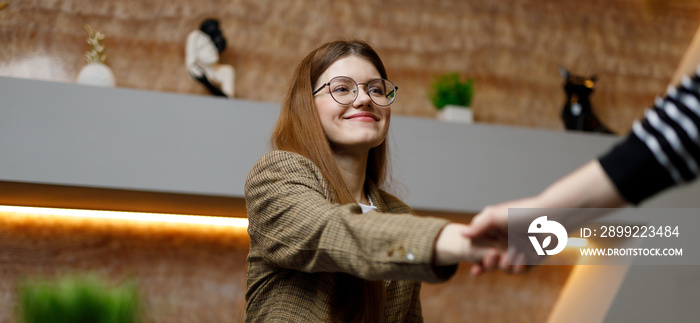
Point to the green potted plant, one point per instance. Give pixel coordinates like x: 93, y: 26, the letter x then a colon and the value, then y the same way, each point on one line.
x: 453, y: 97
x: 77, y: 300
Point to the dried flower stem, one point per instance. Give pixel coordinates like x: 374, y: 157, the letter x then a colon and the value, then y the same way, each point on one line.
x: 96, y: 52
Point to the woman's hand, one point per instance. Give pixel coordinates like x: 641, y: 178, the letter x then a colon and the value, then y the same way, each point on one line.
x: 453, y: 247
x: 491, y: 224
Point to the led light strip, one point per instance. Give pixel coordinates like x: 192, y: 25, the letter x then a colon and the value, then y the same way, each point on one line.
x: 137, y: 216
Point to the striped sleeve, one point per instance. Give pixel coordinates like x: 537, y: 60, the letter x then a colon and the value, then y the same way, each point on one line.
x: 663, y: 149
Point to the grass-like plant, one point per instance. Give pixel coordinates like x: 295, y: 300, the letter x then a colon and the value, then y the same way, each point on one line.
x: 449, y: 89
x: 77, y: 300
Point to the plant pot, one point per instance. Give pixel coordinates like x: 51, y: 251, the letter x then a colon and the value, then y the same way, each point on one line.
x: 96, y: 74
x: 456, y: 113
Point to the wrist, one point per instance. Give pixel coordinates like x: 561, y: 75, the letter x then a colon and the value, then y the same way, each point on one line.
x: 451, y: 247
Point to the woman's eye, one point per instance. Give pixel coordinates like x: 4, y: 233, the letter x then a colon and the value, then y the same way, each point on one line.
x: 376, y: 90
x: 341, y: 89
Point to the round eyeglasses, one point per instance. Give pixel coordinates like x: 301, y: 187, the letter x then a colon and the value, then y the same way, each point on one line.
x: 344, y: 90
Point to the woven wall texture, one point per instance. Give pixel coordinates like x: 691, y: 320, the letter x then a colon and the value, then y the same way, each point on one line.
x: 513, y: 48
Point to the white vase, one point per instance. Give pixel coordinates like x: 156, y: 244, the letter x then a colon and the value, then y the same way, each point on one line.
x: 456, y: 113
x: 97, y: 74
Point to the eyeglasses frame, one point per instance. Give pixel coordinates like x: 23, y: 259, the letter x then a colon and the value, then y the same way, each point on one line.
x: 396, y: 88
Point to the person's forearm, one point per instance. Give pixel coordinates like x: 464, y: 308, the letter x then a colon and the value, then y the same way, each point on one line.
x: 587, y: 187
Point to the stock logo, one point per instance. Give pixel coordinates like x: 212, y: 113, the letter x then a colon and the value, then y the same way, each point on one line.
x: 542, y: 225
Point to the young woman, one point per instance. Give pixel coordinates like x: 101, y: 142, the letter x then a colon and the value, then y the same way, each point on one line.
x: 326, y: 243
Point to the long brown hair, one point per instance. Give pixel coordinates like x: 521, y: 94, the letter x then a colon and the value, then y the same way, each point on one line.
x: 299, y: 130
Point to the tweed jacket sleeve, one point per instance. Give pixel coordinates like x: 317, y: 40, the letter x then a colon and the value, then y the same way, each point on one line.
x: 294, y: 225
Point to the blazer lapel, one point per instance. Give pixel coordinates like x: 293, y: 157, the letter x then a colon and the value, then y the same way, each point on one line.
x: 376, y: 197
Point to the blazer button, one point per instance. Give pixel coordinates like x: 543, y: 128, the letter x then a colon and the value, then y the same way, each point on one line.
x: 390, y: 252
x: 410, y: 256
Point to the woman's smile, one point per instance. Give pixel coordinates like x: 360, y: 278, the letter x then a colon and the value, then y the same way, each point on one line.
x: 363, y: 116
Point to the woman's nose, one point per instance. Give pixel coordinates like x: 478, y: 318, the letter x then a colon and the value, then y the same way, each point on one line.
x: 362, y: 99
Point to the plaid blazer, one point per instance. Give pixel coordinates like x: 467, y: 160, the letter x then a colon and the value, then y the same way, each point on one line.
x: 300, y: 241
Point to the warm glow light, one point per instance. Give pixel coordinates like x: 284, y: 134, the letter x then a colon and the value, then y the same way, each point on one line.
x: 577, y: 242
x: 136, y: 216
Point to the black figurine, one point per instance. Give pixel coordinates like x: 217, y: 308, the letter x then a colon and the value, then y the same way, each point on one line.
x: 578, y: 113
x: 202, y: 59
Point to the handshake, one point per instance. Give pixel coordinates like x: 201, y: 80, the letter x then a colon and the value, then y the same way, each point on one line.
x: 576, y: 199
x: 483, y: 242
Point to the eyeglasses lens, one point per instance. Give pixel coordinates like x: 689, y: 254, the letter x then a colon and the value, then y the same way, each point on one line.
x: 343, y: 90
x: 381, y: 91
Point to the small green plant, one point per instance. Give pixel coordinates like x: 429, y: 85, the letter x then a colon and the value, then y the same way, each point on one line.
x: 77, y: 300
x: 449, y: 89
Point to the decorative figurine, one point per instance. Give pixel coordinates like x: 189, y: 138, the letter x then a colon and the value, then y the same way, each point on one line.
x: 96, y: 72
x: 202, y: 56
x: 578, y: 113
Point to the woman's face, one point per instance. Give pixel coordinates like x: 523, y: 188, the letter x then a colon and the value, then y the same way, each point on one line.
x: 358, y: 126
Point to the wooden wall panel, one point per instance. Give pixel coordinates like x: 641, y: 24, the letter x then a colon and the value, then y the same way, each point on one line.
x: 512, y: 48
x: 184, y: 273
